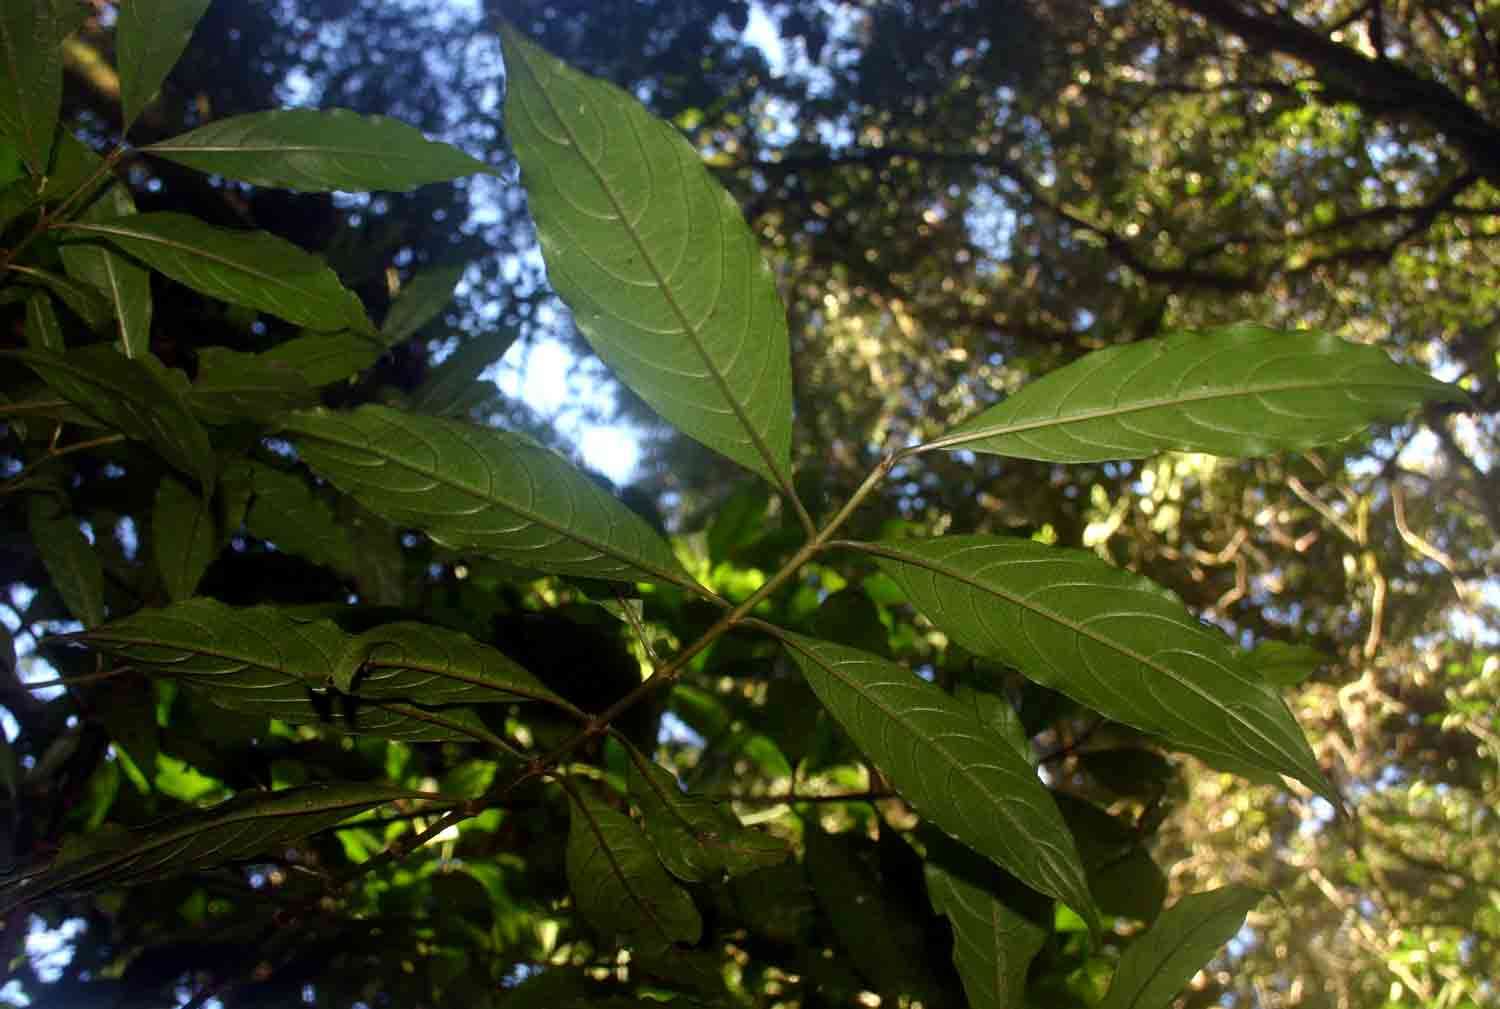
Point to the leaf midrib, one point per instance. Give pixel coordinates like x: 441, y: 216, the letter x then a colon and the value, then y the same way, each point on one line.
x: 688, y: 327
x: 1159, y: 403
x: 1159, y: 962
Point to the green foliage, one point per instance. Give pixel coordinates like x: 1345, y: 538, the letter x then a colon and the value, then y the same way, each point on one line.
x: 328, y: 607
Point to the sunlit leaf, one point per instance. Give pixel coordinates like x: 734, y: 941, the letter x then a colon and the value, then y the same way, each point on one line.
x: 972, y: 784
x: 251, y: 268
x: 619, y: 885
x: 71, y: 562
x: 421, y: 300
x: 993, y: 941
x: 233, y: 386
x: 183, y: 537
x: 150, y: 36
x: 137, y: 397
x: 1239, y: 390
x: 473, y: 488
x: 1161, y: 961
x: 42, y: 329
x: 663, y: 276
x: 1107, y: 638
x: 246, y: 825
x: 125, y: 284
x: 317, y: 150
x: 31, y: 73
x: 697, y: 839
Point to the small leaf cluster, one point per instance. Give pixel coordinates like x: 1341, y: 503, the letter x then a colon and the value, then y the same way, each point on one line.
x: 378, y: 755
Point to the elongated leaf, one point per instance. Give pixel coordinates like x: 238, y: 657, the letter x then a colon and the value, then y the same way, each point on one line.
x: 420, y: 301
x: 1282, y: 664
x: 71, y: 562
x: 451, y: 383
x: 31, y: 73
x: 42, y: 329
x: 324, y: 358
x: 240, y: 828
x: 1123, y: 878
x: 139, y: 398
x: 125, y: 285
x: 299, y: 704
x: 82, y: 299
x: 251, y: 268
x: 696, y: 838
x: 993, y: 941
x: 232, y: 386
x: 183, y: 537
x: 662, y: 274
x: 1163, y: 959
x: 968, y: 782
x: 315, y: 150
x: 619, y: 886
x: 1115, y: 641
x: 433, y: 665
x: 472, y: 488
x: 1239, y: 390
x: 285, y: 511
x: 149, y: 39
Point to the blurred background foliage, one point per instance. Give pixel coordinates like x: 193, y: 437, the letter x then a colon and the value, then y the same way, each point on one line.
x: 955, y: 197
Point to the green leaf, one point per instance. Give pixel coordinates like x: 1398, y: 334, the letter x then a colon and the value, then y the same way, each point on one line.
x: 240, y: 828
x: 1162, y: 960
x: 738, y: 522
x: 697, y: 839
x: 31, y: 73
x: 850, y: 618
x: 1240, y: 390
x: 971, y: 784
x: 1282, y: 664
x: 183, y: 537
x: 1128, y: 771
x: 663, y: 276
x: 150, y: 37
x: 83, y: 300
x: 473, y: 488
x: 324, y: 358
x: 449, y: 387
x: 285, y: 511
x: 251, y: 268
x: 420, y: 301
x: 139, y: 398
x: 126, y: 286
x: 71, y: 561
x: 320, y: 151
x: 993, y: 942
x: 42, y: 329
x: 232, y: 386
x: 1123, y: 877
x: 1107, y: 638
x: 619, y: 886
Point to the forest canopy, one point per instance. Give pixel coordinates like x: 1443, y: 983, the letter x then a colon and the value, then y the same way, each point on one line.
x: 1048, y: 506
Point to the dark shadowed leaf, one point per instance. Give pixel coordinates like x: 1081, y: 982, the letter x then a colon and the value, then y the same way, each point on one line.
x: 42, y: 329
x: 739, y: 521
x: 251, y: 268
x: 232, y: 386
x: 31, y: 73
x: 1123, y: 877
x: 697, y: 839
x: 451, y: 384
x: 324, y: 358
x: 183, y: 537
x: 662, y: 274
x: 1110, y: 639
x: 124, y: 283
x: 1162, y: 960
x: 285, y: 510
x: 1240, y: 390
x: 619, y: 885
x: 421, y: 299
x: 968, y: 782
x: 246, y: 825
x: 150, y: 35
x: 82, y: 299
x: 138, y: 397
x: 1128, y: 771
x: 71, y: 561
x: 317, y: 150
x: 473, y: 488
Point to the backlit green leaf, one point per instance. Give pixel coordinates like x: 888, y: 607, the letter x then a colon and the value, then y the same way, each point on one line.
x: 149, y: 38
x: 285, y: 511
x: 240, y: 828
x: 619, y: 886
x: 1239, y: 390
x: 138, y: 397
x: 71, y: 562
x: 233, y: 386
x: 251, y: 268
x: 1107, y: 638
x: 31, y: 73
x: 1283, y: 664
x: 472, y: 488
x: 316, y: 150
x: 697, y: 839
x: 125, y: 285
x: 1163, y: 959
x: 663, y: 276
x: 965, y: 780
x: 420, y: 301
x: 324, y: 358
x: 183, y: 537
